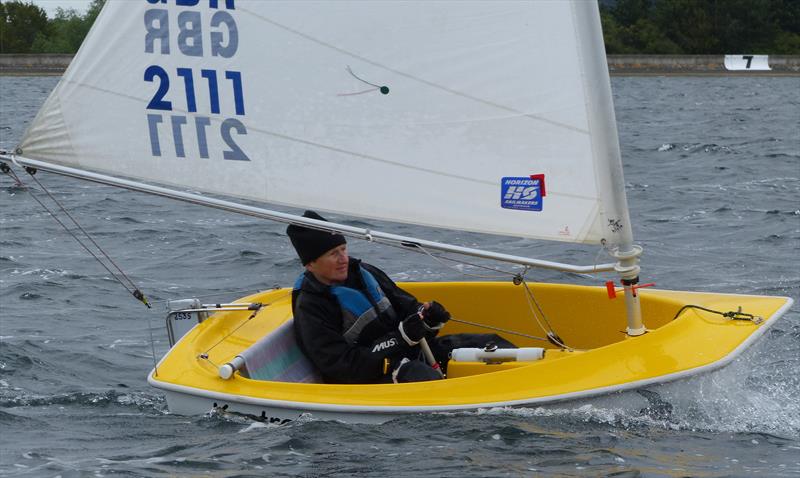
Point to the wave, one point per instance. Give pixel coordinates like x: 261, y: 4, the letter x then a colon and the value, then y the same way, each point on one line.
x: 139, y: 400
x: 9, y: 419
x: 46, y: 274
x: 782, y: 155
x: 695, y: 148
x: 250, y: 254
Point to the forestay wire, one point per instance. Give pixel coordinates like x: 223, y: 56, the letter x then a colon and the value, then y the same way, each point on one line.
x: 119, y: 275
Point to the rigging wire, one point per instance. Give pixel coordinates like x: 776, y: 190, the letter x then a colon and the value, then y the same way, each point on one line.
x: 204, y: 355
x: 603, y: 248
x: 519, y: 279
x: 418, y: 248
x: 118, y: 276
x: 91, y: 239
x: 498, y: 329
x: 552, y: 337
x: 440, y: 260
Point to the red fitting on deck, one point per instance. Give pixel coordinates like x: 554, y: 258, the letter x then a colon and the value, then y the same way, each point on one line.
x: 642, y: 286
x: 612, y: 291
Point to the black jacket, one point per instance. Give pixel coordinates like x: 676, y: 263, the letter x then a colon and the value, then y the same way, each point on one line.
x: 318, y: 325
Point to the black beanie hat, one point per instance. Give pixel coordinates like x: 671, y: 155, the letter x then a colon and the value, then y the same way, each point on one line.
x: 312, y: 243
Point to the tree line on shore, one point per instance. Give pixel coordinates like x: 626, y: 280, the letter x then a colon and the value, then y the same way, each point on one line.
x: 701, y: 27
x: 27, y: 29
x: 691, y: 27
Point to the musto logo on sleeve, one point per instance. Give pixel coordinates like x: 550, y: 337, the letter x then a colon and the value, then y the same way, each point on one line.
x: 523, y: 193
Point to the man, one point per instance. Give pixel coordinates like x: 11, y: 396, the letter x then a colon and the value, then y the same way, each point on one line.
x: 354, y: 323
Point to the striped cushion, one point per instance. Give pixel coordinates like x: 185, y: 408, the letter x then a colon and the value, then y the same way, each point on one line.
x: 278, y: 358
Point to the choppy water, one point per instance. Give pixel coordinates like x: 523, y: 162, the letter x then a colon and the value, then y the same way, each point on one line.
x: 713, y: 173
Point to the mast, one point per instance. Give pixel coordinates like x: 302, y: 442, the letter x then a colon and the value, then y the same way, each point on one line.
x: 605, y: 143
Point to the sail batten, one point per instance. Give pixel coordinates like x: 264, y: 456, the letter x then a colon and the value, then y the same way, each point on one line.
x: 478, y: 116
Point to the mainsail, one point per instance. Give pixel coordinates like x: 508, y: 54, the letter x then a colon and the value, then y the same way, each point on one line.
x: 492, y: 117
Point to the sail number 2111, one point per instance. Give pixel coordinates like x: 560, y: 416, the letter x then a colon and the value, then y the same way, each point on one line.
x: 159, y: 75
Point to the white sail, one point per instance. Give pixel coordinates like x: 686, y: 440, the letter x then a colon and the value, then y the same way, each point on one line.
x: 493, y: 117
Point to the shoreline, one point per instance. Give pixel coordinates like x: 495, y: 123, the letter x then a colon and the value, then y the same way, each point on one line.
x: 618, y: 65
x: 695, y: 65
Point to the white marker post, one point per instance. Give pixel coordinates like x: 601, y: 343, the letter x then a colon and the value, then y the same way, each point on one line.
x: 747, y: 63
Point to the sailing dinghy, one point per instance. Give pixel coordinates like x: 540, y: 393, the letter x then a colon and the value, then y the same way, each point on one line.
x: 491, y: 117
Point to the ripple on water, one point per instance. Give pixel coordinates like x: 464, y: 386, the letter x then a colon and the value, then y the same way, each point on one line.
x: 703, y: 189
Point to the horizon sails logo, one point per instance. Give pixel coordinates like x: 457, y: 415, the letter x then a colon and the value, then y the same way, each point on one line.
x: 522, y: 193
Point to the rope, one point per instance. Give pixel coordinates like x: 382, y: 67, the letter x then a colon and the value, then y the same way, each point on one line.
x: 440, y: 260
x: 533, y: 302
x: 498, y: 329
x: 603, y: 248
x: 519, y: 278
x: 204, y: 355
x: 552, y: 337
x: 409, y: 246
x: 406, y: 246
x: 731, y: 315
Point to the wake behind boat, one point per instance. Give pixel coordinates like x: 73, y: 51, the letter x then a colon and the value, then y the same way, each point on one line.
x: 494, y: 117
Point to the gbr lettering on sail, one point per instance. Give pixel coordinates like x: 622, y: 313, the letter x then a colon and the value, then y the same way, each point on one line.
x: 199, y: 109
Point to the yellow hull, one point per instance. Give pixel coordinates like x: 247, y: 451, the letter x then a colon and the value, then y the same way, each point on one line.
x: 605, y: 359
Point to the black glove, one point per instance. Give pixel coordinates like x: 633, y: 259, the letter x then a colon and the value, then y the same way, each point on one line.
x: 414, y: 371
x: 415, y: 326
x: 413, y: 329
x: 435, y: 315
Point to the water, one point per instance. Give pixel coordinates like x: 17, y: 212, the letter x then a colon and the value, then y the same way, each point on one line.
x: 713, y: 175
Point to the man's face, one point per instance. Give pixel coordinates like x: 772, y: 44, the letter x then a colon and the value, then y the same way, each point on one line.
x: 331, y: 267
